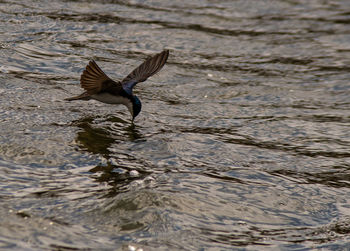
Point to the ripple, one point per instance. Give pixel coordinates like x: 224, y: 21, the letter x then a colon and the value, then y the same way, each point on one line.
x: 242, y: 141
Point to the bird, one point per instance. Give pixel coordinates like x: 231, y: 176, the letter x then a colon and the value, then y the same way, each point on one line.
x: 100, y: 87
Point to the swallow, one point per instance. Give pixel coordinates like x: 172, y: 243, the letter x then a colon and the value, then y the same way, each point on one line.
x: 99, y: 86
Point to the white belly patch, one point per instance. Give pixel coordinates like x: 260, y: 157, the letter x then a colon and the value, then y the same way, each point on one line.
x: 111, y: 99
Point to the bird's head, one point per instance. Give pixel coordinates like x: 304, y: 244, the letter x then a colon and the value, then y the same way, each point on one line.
x: 136, y: 107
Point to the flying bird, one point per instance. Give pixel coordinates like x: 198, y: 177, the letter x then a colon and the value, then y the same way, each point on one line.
x: 99, y: 86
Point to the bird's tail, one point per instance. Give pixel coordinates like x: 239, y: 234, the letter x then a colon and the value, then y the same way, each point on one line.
x: 83, y: 96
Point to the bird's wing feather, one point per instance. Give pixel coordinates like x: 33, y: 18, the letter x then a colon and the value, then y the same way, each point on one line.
x: 94, y: 80
x: 148, y: 68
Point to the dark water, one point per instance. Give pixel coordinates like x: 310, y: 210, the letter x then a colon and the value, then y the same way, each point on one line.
x: 243, y: 141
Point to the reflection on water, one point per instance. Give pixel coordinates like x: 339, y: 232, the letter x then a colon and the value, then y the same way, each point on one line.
x: 94, y: 140
x: 97, y: 139
x: 243, y: 141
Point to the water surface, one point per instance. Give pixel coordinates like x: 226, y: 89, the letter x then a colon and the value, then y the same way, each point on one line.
x: 243, y: 141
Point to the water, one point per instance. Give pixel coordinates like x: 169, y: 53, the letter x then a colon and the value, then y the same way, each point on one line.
x: 243, y: 141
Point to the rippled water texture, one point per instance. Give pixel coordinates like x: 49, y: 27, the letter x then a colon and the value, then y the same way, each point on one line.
x: 243, y: 141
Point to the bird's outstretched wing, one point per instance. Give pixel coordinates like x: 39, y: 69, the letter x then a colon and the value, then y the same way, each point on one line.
x: 94, y: 80
x: 148, y: 68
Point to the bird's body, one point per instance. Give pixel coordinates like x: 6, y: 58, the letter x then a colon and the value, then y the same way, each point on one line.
x: 99, y: 86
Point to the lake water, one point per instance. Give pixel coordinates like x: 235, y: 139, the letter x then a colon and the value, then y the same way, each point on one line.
x: 243, y: 142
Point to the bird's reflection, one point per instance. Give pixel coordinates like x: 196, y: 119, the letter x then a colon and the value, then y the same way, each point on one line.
x: 96, y: 135
x: 99, y: 136
x: 92, y: 139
